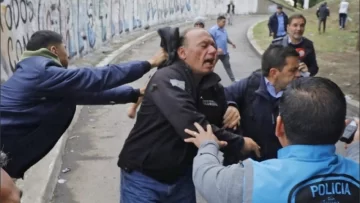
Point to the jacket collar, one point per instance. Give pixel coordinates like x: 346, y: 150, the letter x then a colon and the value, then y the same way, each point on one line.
x: 41, y: 52
x: 309, y: 152
x: 206, y: 82
x: 262, y: 90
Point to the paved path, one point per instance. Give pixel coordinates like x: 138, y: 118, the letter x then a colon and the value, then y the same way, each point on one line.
x: 97, y: 138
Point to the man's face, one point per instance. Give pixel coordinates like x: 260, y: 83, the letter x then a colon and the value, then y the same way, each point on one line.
x: 296, y: 28
x: 199, y: 51
x: 60, y: 51
x: 279, y: 10
x: 199, y: 25
x: 289, y: 73
x: 221, y: 23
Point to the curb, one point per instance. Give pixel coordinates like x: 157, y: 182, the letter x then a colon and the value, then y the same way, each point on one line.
x: 40, y: 180
x: 353, y: 105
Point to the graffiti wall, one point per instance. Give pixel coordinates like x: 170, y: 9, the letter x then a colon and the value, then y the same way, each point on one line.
x: 87, y: 24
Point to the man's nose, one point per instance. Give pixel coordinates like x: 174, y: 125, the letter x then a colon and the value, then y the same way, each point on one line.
x: 212, y: 50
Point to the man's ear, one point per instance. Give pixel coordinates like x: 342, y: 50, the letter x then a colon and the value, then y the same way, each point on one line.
x: 279, y: 129
x: 53, y: 49
x: 181, y: 53
x: 273, y: 71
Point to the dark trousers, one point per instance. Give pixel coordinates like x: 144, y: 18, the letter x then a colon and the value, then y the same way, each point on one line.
x: 225, y: 59
x: 139, y: 188
x: 278, y: 36
x: 323, y: 22
x: 342, y: 20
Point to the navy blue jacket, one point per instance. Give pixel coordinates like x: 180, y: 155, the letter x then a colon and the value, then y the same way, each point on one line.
x: 258, y: 111
x: 274, y: 23
x: 39, y: 101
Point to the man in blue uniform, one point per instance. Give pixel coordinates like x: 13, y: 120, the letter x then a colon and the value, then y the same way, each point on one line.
x: 310, y: 123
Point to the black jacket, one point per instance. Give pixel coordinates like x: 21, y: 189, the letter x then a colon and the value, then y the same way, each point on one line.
x: 306, y: 50
x: 273, y: 23
x: 323, y: 12
x: 173, y: 102
x: 259, y: 111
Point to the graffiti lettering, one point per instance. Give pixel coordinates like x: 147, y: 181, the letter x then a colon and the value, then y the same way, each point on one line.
x: 87, y: 24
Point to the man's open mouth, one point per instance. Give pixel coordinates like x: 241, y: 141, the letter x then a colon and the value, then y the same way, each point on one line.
x: 210, y: 61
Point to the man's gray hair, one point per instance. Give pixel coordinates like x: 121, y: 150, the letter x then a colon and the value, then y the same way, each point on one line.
x: 3, y: 159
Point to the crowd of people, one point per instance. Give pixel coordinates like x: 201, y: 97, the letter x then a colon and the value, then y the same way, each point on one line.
x: 277, y: 128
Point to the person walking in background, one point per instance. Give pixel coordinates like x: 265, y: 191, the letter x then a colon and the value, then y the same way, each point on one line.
x: 322, y: 13
x: 221, y: 38
x: 277, y: 23
x: 199, y: 22
x: 343, y: 11
x: 230, y: 12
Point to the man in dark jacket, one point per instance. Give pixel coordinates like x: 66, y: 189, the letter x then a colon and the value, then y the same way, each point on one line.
x: 258, y: 95
x: 322, y: 13
x: 304, y: 46
x: 39, y: 100
x: 277, y: 23
x: 156, y: 163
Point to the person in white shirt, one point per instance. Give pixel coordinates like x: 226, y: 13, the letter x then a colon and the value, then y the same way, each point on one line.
x: 343, y: 11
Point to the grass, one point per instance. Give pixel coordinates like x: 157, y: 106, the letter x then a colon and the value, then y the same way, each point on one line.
x: 286, y: 4
x: 336, y: 54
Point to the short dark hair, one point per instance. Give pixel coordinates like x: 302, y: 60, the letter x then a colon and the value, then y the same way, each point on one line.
x: 221, y: 18
x: 279, y: 7
x: 296, y: 16
x: 43, y: 39
x: 313, y: 110
x: 275, y: 57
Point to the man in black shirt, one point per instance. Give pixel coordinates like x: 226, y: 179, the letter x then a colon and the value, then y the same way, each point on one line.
x: 304, y: 46
x: 156, y: 162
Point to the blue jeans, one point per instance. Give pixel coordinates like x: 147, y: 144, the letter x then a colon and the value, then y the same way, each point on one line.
x: 139, y: 188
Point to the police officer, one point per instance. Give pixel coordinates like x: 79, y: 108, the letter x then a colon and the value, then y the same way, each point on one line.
x: 295, y: 39
x: 311, y: 121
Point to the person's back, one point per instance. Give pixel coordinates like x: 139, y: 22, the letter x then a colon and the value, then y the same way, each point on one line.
x: 323, y: 12
x: 311, y: 121
x: 344, y: 6
x: 306, y: 174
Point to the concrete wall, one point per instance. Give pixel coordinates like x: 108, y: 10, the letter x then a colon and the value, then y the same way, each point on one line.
x: 88, y: 24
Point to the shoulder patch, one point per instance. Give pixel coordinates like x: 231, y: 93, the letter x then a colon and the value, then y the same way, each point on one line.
x: 178, y: 83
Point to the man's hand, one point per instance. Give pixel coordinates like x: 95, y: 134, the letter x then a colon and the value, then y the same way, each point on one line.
x: 250, y: 146
x: 271, y: 34
x: 202, y: 136
x: 220, y: 51
x: 9, y: 193
x: 231, y: 118
x: 158, y: 58
x: 357, y: 133
x: 234, y: 46
x: 303, y: 67
x: 142, y: 91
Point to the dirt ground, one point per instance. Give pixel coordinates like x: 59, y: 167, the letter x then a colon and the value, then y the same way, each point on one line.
x: 336, y: 49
